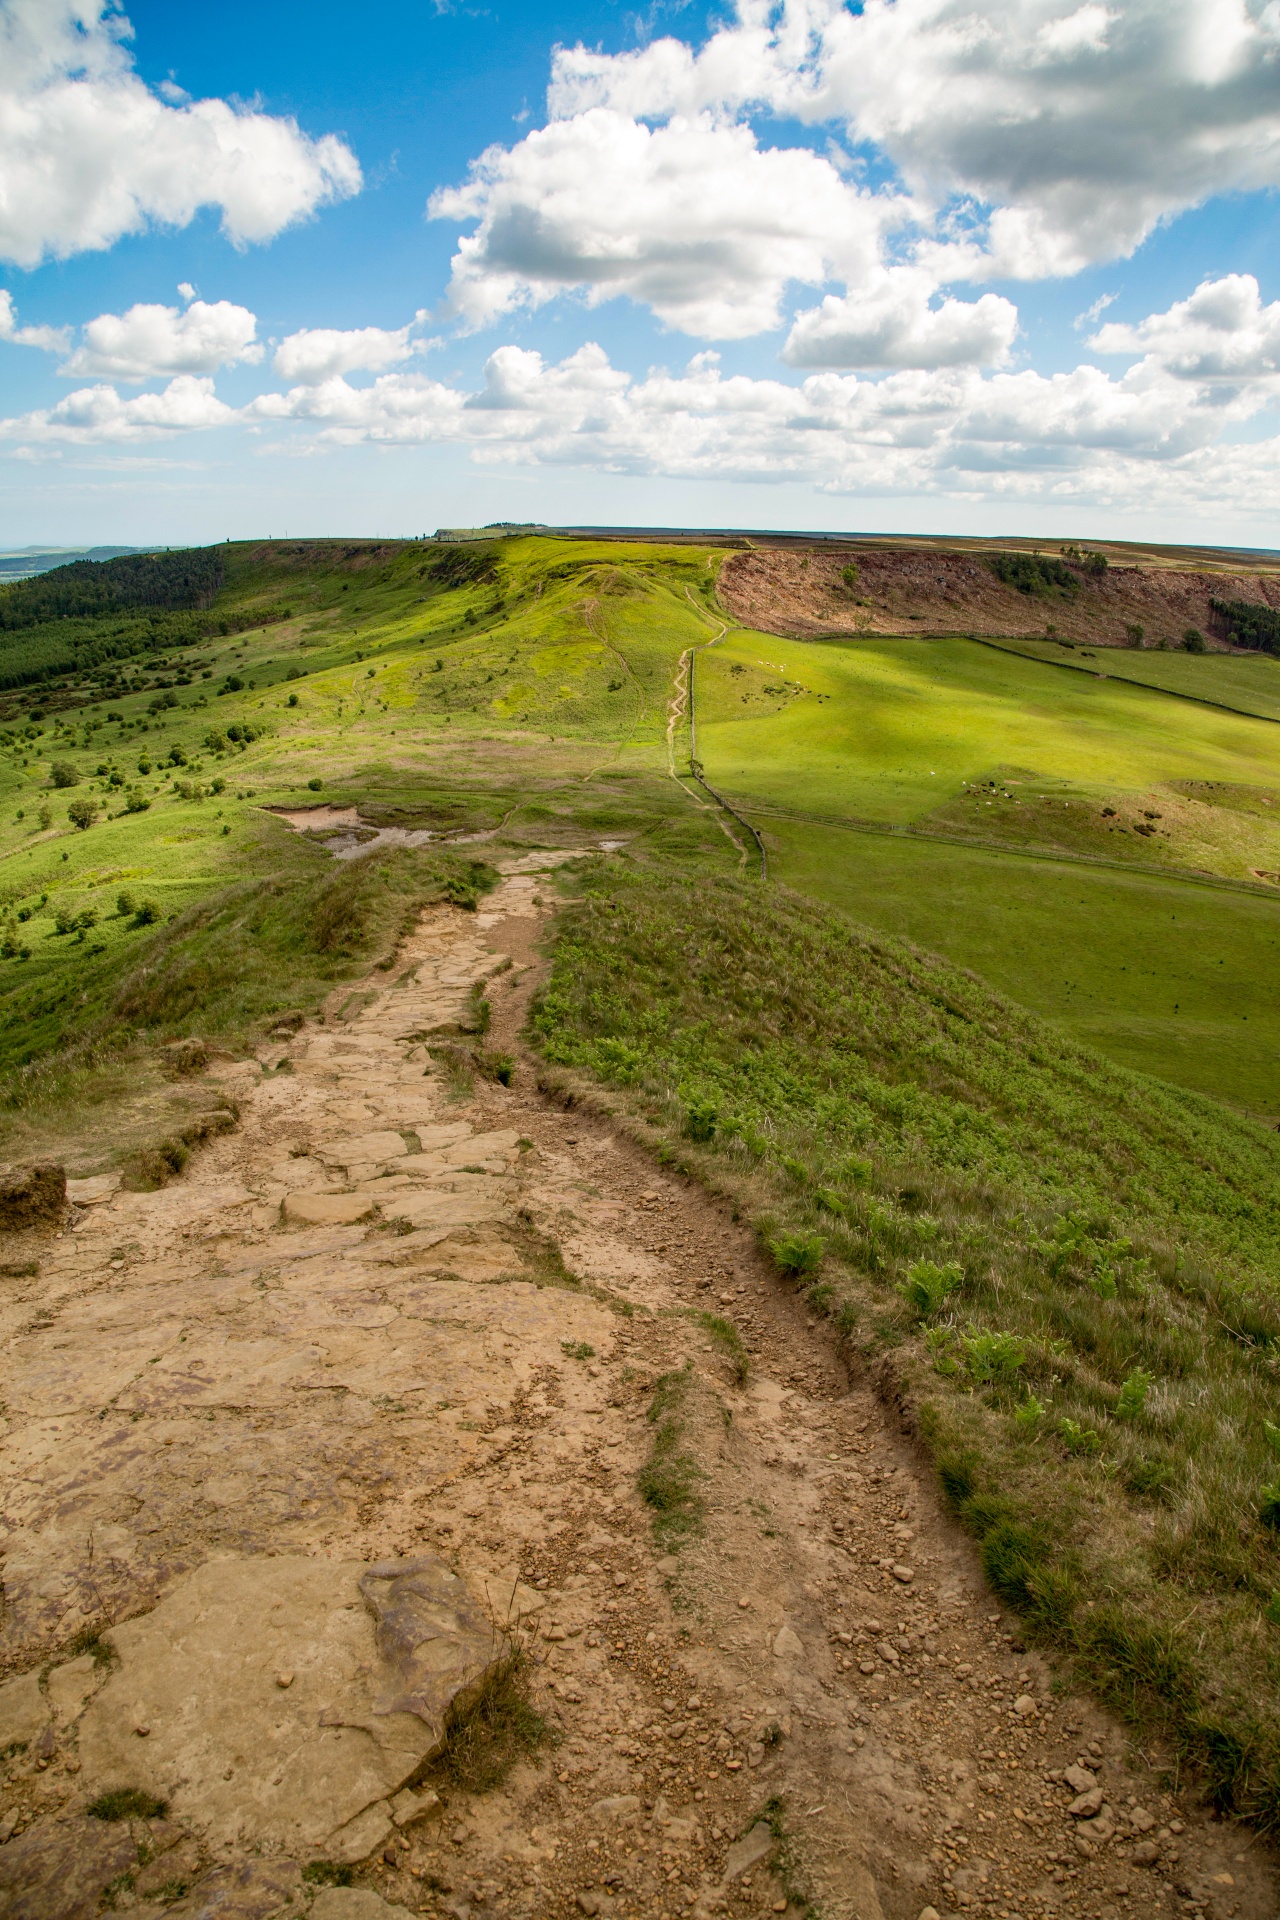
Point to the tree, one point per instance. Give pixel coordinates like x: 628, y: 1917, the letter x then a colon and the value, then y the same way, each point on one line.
x: 1193, y: 640
x: 1135, y: 633
x: 82, y: 814
x: 63, y: 774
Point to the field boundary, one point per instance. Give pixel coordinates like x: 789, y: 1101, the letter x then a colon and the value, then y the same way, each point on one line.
x: 888, y: 831
x: 1074, y: 666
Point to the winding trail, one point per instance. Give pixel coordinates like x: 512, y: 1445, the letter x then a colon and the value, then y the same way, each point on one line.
x: 401, y: 1328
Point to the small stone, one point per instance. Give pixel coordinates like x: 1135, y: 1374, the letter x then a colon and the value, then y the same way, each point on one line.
x: 744, y: 1602
x: 142, y: 1730
x: 285, y: 1679
x: 1145, y: 1854
x: 903, y: 1573
x: 616, y: 1810
x: 779, y: 1906
x: 928, y: 1913
x: 754, y: 1846
x: 1085, y: 1805
x: 1024, y: 1706
x: 589, y: 1902
x: 1141, y: 1821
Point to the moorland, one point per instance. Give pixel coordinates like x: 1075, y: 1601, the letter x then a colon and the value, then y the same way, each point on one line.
x: 931, y: 918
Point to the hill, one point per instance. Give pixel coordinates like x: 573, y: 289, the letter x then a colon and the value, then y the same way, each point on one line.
x: 913, y: 588
x: 1065, y: 1270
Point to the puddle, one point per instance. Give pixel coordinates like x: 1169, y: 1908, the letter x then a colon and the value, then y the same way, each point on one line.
x: 345, y: 834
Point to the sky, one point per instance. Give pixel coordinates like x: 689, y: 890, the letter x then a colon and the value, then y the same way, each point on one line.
x: 952, y: 266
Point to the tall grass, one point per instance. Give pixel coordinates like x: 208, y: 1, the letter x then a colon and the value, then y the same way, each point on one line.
x: 1072, y: 1273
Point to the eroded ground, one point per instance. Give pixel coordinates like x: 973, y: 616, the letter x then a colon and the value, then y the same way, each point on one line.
x: 400, y: 1328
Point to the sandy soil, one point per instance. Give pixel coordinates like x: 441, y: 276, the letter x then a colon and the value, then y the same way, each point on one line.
x: 393, y: 1331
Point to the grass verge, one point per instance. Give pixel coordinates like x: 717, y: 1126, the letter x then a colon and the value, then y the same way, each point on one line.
x: 501, y: 1727
x: 669, y: 1479
x: 1065, y: 1273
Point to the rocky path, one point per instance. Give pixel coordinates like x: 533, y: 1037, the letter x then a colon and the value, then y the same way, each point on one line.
x: 297, y: 1446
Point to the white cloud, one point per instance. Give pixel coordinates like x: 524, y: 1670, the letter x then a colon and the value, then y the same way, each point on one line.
x: 49, y: 339
x: 317, y: 354
x: 1223, y: 333
x: 154, y: 342
x: 693, y: 219
x: 1078, y: 128
x: 890, y: 323
x: 89, y: 153
x: 97, y: 415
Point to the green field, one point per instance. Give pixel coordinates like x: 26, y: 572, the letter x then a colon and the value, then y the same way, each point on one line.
x: 523, y: 689
x: 1248, y: 682
x: 892, y: 730
x: 1159, y: 975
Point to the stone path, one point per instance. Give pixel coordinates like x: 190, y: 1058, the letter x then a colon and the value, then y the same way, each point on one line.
x: 295, y: 1447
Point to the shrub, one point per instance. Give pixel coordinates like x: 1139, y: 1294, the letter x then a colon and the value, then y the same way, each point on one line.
x: 700, y: 1119
x: 63, y: 774
x: 147, y: 914
x: 136, y: 801
x: 125, y: 903
x: 127, y: 1803
x: 82, y: 814
x: 314, y: 786
x: 1193, y: 640
x: 850, y: 576
x: 1133, y: 1395
x: 927, y: 1288
x: 798, y: 1254
x: 1078, y: 1439
x: 993, y: 1359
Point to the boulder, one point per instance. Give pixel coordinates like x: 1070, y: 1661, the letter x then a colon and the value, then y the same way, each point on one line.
x: 381, y: 1657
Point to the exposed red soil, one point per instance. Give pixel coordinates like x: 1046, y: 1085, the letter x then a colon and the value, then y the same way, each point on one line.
x: 906, y: 590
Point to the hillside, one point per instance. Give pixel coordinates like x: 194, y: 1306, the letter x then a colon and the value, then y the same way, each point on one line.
x: 937, y: 590
x: 1066, y: 1276
x: 248, y: 854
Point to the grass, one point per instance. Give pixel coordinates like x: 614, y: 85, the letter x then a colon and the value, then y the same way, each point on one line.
x: 127, y: 1803
x: 670, y: 1478
x: 1160, y: 976
x: 1248, y: 682
x: 1097, y: 1386
x: 890, y: 730
x: 501, y: 1727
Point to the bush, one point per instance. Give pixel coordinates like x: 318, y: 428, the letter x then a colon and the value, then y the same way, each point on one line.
x: 136, y: 801
x: 1193, y: 640
x: 700, y: 1119
x: 927, y: 1288
x: 314, y: 786
x: 798, y: 1254
x: 125, y: 903
x: 82, y: 814
x: 1133, y: 1395
x: 63, y: 774
x: 147, y: 915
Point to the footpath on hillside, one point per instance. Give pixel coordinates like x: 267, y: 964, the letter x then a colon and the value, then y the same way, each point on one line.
x: 419, y: 1391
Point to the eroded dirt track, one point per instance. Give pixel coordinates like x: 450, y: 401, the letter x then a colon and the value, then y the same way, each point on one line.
x: 397, y: 1329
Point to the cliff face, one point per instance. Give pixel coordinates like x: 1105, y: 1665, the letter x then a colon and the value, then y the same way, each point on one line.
x: 910, y: 590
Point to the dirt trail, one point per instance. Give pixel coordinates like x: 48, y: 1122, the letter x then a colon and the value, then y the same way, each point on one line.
x: 394, y: 1327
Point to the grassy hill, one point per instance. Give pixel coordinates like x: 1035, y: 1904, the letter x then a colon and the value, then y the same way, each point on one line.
x: 1066, y: 1268
x: 1067, y: 1274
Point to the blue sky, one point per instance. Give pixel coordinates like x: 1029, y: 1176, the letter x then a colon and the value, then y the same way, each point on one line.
x: 953, y: 265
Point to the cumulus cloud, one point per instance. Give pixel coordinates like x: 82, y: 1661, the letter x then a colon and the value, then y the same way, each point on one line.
x: 154, y: 342
x: 88, y: 152
x: 1077, y: 127
x: 50, y: 339
x: 1223, y: 333
x: 891, y: 323
x: 693, y: 219
x: 317, y: 354
x: 97, y: 416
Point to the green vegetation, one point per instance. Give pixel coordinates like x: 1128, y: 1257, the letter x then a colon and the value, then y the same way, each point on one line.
x: 1250, y: 624
x: 1095, y: 1382
x: 1247, y: 683
x: 1034, y: 573
x: 669, y: 1479
x: 1159, y: 975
